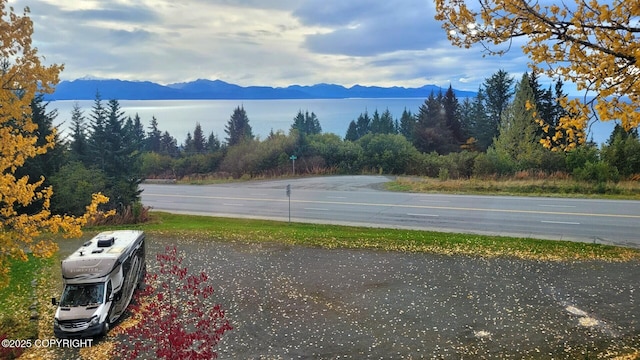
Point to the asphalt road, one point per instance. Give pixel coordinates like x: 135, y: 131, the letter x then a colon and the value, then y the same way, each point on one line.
x: 360, y: 200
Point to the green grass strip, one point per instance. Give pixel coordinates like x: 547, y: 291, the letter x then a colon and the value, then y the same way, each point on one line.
x: 17, y: 297
x: 353, y: 237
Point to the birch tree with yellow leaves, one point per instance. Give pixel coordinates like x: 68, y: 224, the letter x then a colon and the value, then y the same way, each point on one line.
x: 22, y: 76
x: 591, y: 43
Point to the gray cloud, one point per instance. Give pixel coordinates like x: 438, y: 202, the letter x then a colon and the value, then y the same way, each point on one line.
x: 364, y: 28
x: 116, y: 13
x: 257, y: 42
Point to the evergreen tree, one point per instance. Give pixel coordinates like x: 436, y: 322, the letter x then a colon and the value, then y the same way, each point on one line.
x: 498, y: 92
x: 363, y: 124
x: 451, y: 109
x: 550, y: 123
x: 115, y: 150
x: 189, y: 146
x: 199, y: 142
x: 544, y: 101
x: 306, y: 124
x: 518, y: 139
x: 97, y: 137
x: 430, y: 132
x: 407, y: 124
x: 213, y: 143
x: 78, y: 145
x: 135, y: 132
x: 468, y: 124
x: 238, y: 128
x: 120, y: 160
x: 622, y: 150
x: 168, y: 145
x: 352, y: 132
x: 383, y: 124
x: 47, y: 164
x: 479, y: 126
x: 153, y: 136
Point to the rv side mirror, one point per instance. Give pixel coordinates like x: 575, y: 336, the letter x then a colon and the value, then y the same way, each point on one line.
x: 53, y: 301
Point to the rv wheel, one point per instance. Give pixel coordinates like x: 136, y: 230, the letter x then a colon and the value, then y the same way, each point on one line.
x: 105, y: 327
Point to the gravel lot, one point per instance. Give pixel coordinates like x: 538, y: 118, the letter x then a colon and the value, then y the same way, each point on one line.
x: 299, y: 302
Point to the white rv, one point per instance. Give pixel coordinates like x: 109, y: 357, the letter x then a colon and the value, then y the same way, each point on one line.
x: 99, y: 281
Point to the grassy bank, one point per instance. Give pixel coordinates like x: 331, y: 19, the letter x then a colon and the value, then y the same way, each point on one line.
x: 556, y: 187
x: 330, y: 236
x: 17, y: 300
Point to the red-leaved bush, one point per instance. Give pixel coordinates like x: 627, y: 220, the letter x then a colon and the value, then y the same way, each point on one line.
x: 7, y: 352
x: 174, y: 314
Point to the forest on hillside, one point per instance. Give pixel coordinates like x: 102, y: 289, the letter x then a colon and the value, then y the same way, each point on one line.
x: 496, y: 134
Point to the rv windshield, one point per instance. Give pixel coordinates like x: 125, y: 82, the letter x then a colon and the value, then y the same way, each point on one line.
x: 82, y: 295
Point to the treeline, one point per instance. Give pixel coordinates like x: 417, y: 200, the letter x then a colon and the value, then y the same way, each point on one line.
x: 495, y: 134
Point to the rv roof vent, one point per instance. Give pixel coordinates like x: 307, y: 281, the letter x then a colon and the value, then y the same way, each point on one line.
x: 97, y: 251
x: 106, y: 242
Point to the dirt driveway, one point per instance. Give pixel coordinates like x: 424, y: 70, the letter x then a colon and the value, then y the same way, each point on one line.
x: 300, y: 302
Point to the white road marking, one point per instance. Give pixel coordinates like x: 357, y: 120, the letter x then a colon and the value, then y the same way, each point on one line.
x: 425, y: 215
x: 231, y: 204
x: 558, y: 206
x: 560, y: 222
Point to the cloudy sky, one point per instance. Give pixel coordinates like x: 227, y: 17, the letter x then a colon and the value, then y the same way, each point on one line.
x: 259, y: 42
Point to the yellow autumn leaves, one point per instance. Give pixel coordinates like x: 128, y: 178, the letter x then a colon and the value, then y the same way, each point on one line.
x: 22, y: 75
x: 591, y: 44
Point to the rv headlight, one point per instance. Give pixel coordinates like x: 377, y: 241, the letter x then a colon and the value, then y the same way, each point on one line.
x: 55, y: 322
x: 94, y: 321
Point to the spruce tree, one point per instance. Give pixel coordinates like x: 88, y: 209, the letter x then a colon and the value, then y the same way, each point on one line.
x: 451, y: 108
x: 168, y: 145
x: 481, y: 129
x: 306, y: 124
x: 135, y: 132
x: 407, y: 124
x: 47, y: 164
x: 213, y: 143
x: 497, y: 96
x: 382, y: 124
x: 78, y: 145
x: 431, y: 132
x: 238, y: 128
x: 518, y: 139
x: 352, y: 132
x: 363, y: 124
x: 199, y: 142
x: 97, y: 137
x: 153, y: 136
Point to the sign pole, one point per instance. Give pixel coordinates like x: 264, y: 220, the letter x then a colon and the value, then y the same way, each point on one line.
x: 289, y: 196
x: 293, y: 163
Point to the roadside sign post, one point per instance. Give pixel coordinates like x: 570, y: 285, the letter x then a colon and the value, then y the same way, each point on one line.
x: 293, y: 163
x: 289, y: 196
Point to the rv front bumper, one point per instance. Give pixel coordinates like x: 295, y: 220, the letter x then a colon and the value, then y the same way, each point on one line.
x: 77, y: 329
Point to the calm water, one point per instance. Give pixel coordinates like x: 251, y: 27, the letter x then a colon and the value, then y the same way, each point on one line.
x: 179, y: 117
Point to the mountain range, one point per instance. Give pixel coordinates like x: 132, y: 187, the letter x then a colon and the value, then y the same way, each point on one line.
x: 87, y: 88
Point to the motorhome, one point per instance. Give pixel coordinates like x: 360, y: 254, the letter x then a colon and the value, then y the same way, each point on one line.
x: 99, y: 281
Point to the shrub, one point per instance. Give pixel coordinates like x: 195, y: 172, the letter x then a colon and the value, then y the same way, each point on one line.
x: 600, y: 172
x: 175, y: 319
